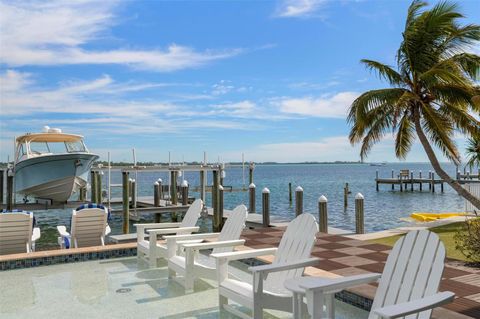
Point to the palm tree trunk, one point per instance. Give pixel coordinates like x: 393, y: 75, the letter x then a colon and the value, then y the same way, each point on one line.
x: 436, y: 165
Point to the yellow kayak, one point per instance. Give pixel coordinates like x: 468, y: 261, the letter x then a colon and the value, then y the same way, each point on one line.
x: 430, y: 217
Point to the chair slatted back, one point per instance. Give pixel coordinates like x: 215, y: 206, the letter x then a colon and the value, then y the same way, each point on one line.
x: 88, y: 227
x: 474, y: 189
x: 413, y: 270
x: 15, y: 233
x: 233, y: 228
x: 296, y: 244
x: 193, y: 213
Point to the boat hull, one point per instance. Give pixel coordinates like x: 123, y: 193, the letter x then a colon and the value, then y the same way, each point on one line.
x: 54, y: 177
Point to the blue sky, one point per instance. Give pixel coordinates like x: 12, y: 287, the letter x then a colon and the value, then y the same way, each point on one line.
x: 271, y: 79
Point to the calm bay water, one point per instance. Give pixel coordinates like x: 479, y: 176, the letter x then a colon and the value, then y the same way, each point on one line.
x: 383, y: 210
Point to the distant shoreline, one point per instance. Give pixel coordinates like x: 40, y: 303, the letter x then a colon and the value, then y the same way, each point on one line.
x: 104, y: 163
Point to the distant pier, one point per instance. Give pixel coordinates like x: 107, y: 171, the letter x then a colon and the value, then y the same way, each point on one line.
x: 406, y: 179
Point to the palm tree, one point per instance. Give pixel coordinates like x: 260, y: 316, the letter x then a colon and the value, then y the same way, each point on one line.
x: 432, y: 94
x: 473, y: 151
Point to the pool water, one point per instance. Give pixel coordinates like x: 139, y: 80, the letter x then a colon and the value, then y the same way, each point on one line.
x: 115, y: 288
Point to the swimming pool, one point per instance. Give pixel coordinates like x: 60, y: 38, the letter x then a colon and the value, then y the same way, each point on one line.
x: 115, y: 288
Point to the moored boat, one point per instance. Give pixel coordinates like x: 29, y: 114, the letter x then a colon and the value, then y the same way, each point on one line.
x: 51, y: 165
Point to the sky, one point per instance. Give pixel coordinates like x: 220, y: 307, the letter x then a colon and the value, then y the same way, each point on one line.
x: 270, y: 79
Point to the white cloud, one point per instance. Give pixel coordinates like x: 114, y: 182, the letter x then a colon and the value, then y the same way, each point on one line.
x: 222, y: 87
x: 327, y: 106
x: 297, y: 8
x: 314, y: 86
x: 240, y: 108
x: 35, y: 33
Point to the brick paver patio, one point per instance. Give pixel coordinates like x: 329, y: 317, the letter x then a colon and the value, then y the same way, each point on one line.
x: 344, y: 256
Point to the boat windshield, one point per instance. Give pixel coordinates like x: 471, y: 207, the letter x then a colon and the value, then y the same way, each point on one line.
x: 38, y: 148
x: 73, y: 147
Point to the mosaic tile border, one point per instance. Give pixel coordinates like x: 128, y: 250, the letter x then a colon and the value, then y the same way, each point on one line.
x: 354, y: 300
x: 67, y: 258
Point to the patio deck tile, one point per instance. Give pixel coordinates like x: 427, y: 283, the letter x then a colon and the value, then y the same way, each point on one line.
x: 345, y: 257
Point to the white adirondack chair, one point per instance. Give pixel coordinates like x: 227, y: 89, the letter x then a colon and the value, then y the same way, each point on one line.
x: 17, y: 234
x: 267, y: 290
x: 408, y: 285
x: 184, y: 257
x: 153, y: 250
x: 88, y: 228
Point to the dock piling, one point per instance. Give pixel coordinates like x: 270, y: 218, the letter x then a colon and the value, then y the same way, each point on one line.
x: 173, y: 192
x: 393, y: 176
x: 217, y: 222
x: 323, y: 214
x: 433, y: 182
x: 222, y: 173
x: 359, y: 214
x: 134, y: 193
x: 220, y: 205
x: 9, y: 189
x: 251, y: 167
x: 376, y: 179
x: 265, y: 207
x: 420, y: 177
x: 345, y: 196
x: 2, y: 179
x: 126, y: 205
x: 202, y: 185
x: 298, y: 200
x: 93, y: 186
x: 156, y: 198
x: 99, y: 187
x: 156, y: 194
x: 161, y: 195
x: 251, y: 201
x: 185, y: 192
x: 411, y: 181
x: 290, y: 199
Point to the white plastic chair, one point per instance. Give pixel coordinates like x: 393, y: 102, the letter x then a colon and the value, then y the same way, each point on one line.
x: 408, y: 285
x: 17, y: 234
x: 267, y: 290
x: 88, y: 228
x: 184, y: 257
x: 153, y: 250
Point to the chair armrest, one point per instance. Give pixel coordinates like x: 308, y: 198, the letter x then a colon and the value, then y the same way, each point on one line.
x: 35, y: 234
x: 108, y: 230
x: 334, y: 284
x: 164, y: 231
x: 192, y: 236
x: 157, y: 225
x: 415, y: 306
x: 217, y: 244
x: 62, y: 230
x: 284, y: 266
x: 244, y: 254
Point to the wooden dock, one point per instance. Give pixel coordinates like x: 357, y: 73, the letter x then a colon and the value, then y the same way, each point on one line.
x: 406, y: 180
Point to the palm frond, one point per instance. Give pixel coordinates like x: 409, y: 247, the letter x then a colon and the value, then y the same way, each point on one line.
x: 473, y: 151
x: 463, y: 121
x: 405, y: 137
x: 384, y: 71
x: 440, y: 131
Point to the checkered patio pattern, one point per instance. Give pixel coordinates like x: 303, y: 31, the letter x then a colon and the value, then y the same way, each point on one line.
x: 344, y: 256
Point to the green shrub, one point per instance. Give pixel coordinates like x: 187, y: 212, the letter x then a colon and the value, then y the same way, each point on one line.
x: 467, y: 240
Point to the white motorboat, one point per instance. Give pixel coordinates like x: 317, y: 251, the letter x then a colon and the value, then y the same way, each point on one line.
x: 51, y: 165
